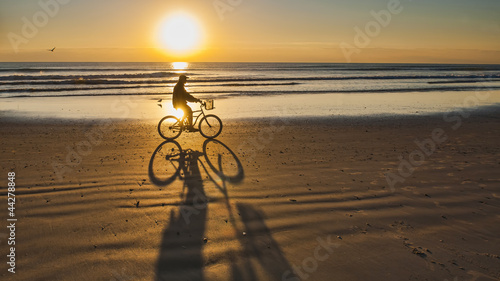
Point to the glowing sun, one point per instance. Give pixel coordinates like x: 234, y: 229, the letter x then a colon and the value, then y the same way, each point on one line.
x: 179, y: 33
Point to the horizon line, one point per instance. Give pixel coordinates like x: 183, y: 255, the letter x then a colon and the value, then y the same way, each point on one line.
x: 283, y: 62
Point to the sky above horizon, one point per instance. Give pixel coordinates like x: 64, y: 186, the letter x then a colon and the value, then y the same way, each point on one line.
x: 424, y: 31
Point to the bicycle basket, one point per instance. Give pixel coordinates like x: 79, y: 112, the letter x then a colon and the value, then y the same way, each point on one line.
x: 209, y: 104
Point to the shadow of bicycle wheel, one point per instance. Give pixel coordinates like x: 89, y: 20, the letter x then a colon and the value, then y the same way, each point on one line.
x: 223, y: 161
x: 165, y: 163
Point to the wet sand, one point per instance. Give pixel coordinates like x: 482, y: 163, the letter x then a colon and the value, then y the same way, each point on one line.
x: 271, y: 199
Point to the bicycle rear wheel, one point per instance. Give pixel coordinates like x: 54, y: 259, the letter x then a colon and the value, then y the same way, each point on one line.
x: 169, y: 127
x: 210, y: 126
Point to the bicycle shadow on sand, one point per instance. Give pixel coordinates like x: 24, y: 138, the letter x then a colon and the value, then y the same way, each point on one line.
x: 181, y: 250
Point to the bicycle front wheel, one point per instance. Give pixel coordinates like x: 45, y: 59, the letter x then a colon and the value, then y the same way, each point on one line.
x: 210, y: 126
x: 169, y: 127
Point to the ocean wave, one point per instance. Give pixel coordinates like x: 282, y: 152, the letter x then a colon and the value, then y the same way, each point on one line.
x: 138, y: 82
x: 84, y: 78
x: 101, y: 78
x: 34, y: 90
x: 144, y: 67
x: 134, y: 86
x: 342, y: 78
x: 71, y: 69
x: 264, y: 93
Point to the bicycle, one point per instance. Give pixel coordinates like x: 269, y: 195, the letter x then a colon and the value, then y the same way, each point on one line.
x: 210, y: 126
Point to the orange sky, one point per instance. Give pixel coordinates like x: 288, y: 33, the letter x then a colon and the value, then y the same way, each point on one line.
x: 423, y: 31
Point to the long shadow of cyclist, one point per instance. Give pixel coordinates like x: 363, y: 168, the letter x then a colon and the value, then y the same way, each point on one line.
x: 180, y: 255
x: 181, y: 251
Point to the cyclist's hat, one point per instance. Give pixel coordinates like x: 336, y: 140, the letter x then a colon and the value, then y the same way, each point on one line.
x: 183, y: 76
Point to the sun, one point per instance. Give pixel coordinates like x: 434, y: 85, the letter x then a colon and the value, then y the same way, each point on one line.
x: 180, y: 34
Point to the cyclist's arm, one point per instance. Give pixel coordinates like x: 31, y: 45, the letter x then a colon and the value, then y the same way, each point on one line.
x: 190, y: 98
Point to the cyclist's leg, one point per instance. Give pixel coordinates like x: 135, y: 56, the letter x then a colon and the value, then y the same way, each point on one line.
x: 188, y: 114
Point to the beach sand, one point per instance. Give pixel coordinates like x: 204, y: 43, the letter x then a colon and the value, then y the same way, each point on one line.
x: 272, y: 199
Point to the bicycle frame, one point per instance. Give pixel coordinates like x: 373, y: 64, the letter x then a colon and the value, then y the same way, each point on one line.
x: 198, y: 116
x: 210, y: 128
x: 195, y: 118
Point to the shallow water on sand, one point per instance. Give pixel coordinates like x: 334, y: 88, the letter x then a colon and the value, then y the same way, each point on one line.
x: 283, y: 106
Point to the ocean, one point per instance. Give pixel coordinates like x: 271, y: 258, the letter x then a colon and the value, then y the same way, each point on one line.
x: 238, y: 79
x: 243, y: 90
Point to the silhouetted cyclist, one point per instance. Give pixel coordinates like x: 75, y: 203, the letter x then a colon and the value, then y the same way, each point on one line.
x: 180, y: 99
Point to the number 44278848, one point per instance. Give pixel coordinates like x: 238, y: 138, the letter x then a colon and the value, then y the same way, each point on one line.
x: 11, y: 196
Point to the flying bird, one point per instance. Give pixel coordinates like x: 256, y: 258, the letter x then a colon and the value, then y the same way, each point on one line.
x: 160, y: 100
x: 52, y: 50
